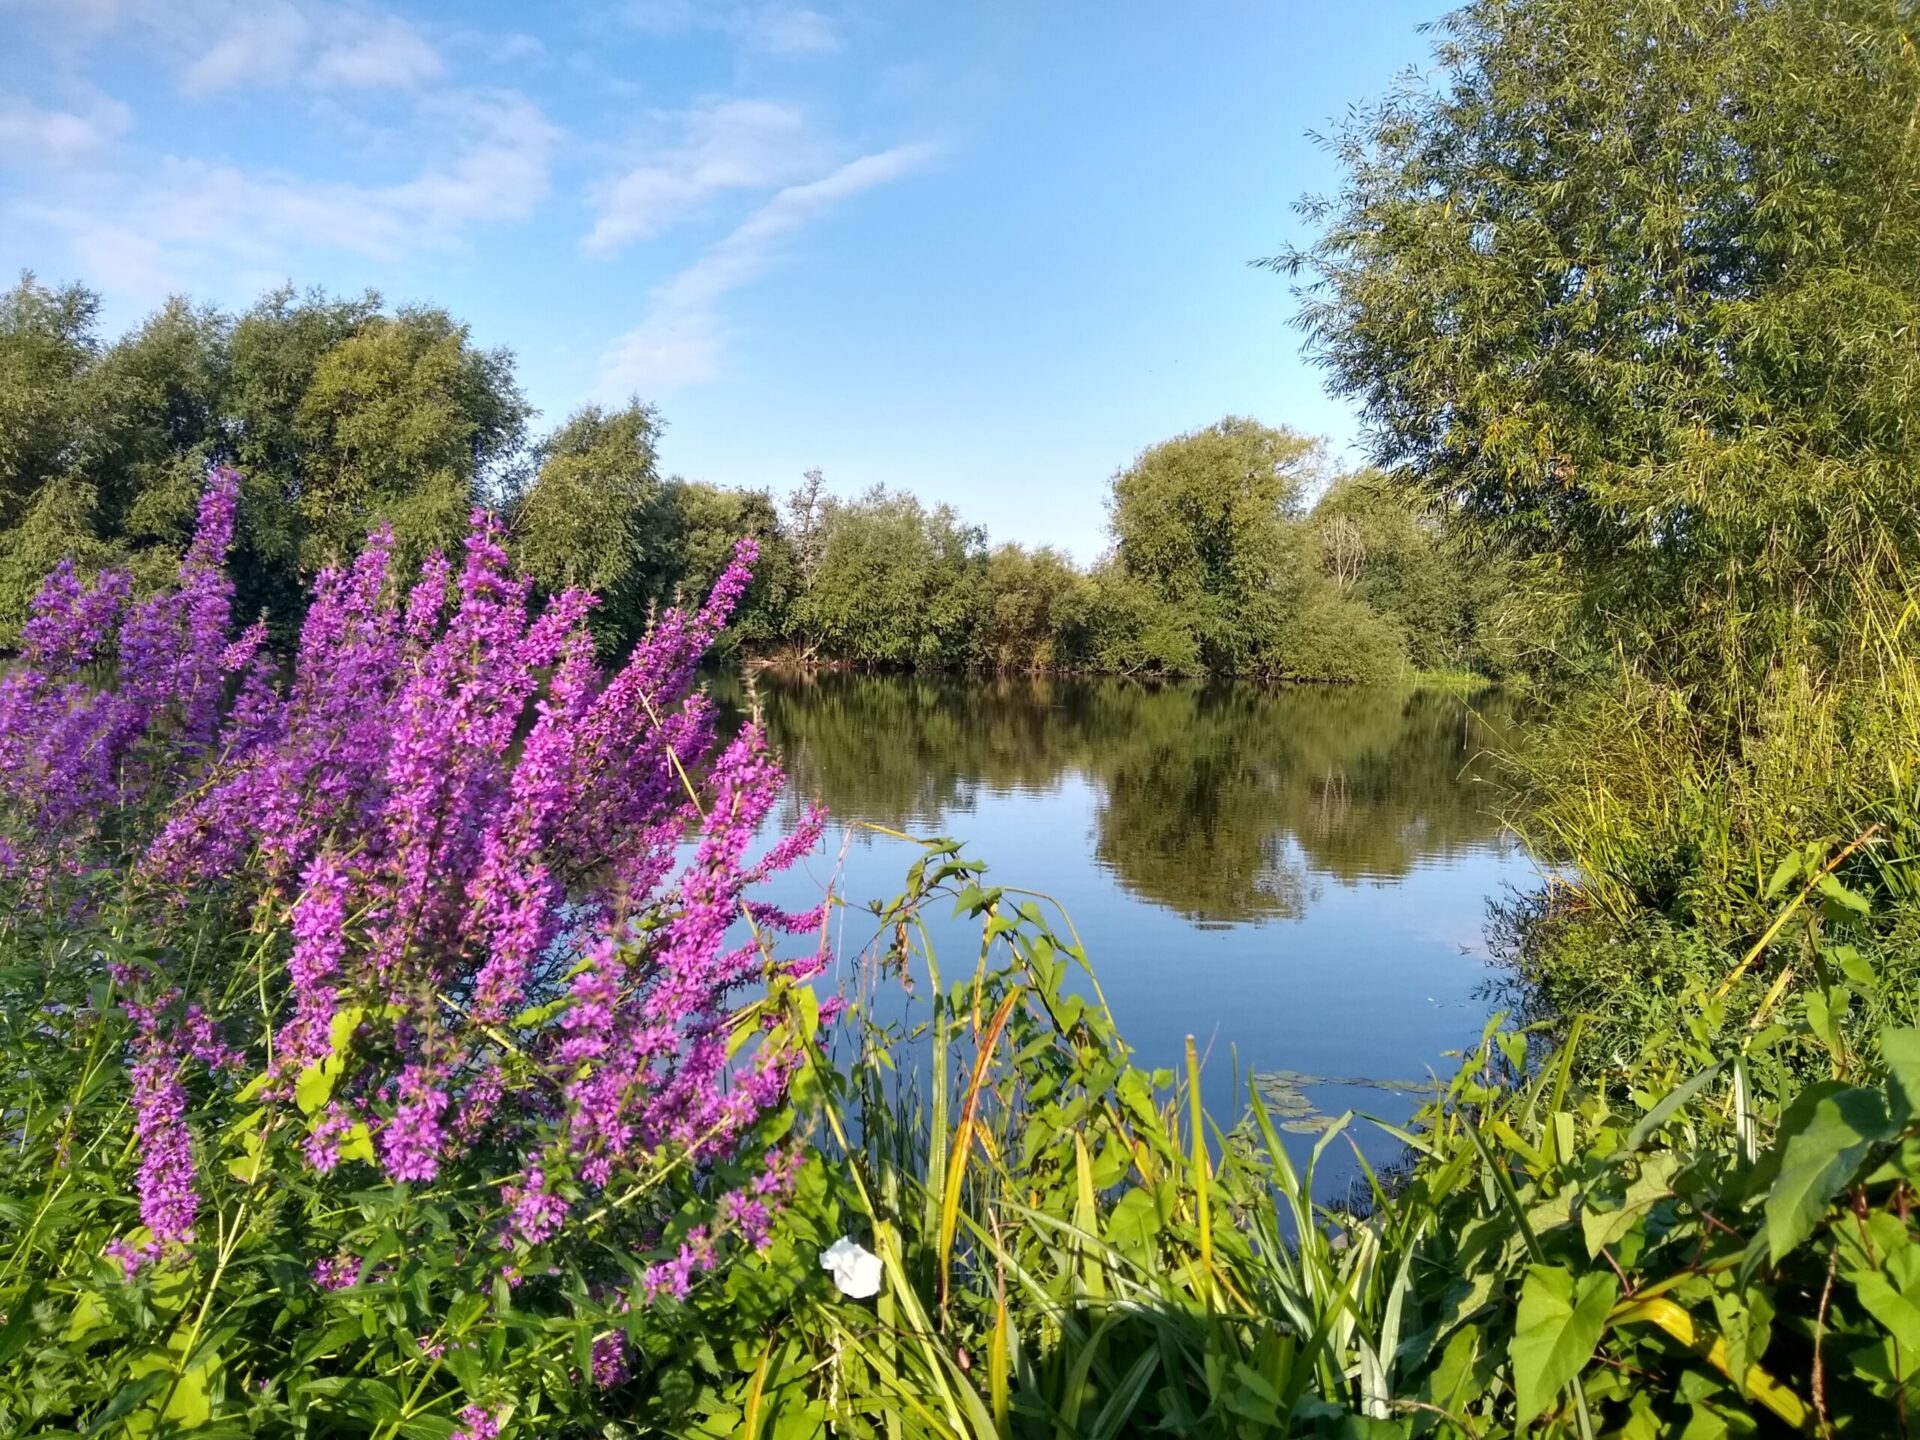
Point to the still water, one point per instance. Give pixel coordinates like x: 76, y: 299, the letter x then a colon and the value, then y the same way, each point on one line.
x: 1298, y: 877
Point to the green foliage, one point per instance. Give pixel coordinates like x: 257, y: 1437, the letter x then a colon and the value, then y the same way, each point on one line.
x: 1380, y: 544
x: 1027, y: 597
x: 893, y: 582
x: 703, y: 523
x: 398, y: 421
x: 594, y: 511
x: 1068, y: 1245
x: 1632, y: 283
x: 233, y: 1336
x: 340, y: 415
x: 1204, y: 516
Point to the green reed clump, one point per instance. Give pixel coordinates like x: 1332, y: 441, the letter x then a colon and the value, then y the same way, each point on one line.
x: 1690, y: 1239
x: 1671, y: 809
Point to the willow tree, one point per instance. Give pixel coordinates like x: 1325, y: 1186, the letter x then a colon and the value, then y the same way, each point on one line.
x: 1634, y: 285
x: 1207, y: 522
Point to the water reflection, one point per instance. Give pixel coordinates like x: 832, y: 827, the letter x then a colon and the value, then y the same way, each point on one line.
x: 1224, y: 804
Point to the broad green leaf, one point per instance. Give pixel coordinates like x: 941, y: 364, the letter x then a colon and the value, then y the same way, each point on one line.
x: 1746, y: 1322
x: 1784, y: 874
x: 1559, y: 1322
x: 1846, y: 899
x: 358, y: 1145
x: 1818, y: 1160
x: 315, y: 1086
x: 1898, y: 1311
x: 1606, y: 1227
x: 1901, y: 1050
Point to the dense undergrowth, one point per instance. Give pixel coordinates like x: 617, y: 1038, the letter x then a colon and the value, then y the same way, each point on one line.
x: 399, y: 1047
x: 394, y: 1069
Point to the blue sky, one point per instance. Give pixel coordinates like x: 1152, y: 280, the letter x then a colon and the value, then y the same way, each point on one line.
x: 983, y: 251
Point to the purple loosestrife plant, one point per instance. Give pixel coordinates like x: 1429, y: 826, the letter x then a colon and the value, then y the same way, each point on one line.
x: 439, y: 916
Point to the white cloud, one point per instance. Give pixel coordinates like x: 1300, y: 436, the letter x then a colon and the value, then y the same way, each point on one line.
x: 776, y: 28
x: 680, y: 339
x: 31, y: 136
x: 218, y: 45
x: 257, y: 43
x: 728, y: 146
x: 194, y: 219
x: 792, y: 30
x: 377, y: 52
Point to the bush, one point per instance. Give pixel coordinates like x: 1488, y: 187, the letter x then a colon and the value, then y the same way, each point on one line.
x: 1333, y: 638
x: 376, y: 1057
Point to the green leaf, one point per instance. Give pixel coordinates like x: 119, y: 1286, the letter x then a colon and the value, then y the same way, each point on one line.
x: 358, y: 1145
x: 1746, y: 1321
x: 1784, y: 874
x: 315, y: 1086
x: 1559, y: 1322
x: 1847, y: 899
x: 1897, y: 1313
x: 1603, y: 1227
x: 1651, y: 1122
x: 1901, y: 1050
x: 1818, y: 1160
x: 124, y: 1400
x: 19, y: 1327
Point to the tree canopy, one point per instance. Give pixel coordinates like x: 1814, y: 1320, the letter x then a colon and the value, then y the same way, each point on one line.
x: 339, y: 415
x: 342, y: 413
x: 1632, y: 284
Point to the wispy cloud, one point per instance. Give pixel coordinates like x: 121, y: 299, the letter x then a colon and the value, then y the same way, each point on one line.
x: 376, y: 52
x: 260, y: 43
x: 32, y: 137
x: 731, y: 145
x: 679, y: 341
x: 218, y: 45
x: 193, y: 217
x: 773, y: 27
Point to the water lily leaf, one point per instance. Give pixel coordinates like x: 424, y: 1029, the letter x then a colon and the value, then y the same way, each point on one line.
x: 1560, y: 1320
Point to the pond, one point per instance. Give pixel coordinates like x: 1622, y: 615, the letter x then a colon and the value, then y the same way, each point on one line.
x: 1296, y: 876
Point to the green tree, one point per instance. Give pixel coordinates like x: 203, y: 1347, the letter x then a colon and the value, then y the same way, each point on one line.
x: 401, y: 421
x: 594, y: 513
x: 1633, y: 283
x: 1022, y: 607
x: 339, y: 416
x: 707, y: 521
x: 47, y: 340
x: 1208, y: 523
x: 895, y: 584
x: 1381, y: 547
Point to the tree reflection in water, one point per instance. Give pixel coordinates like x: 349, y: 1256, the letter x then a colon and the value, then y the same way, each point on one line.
x: 1224, y: 803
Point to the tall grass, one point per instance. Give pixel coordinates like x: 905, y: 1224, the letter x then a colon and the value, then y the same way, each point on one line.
x: 1071, y: 1247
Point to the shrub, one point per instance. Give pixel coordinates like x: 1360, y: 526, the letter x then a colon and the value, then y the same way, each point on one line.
x: 1334, y: 638
x: 378, y: 1054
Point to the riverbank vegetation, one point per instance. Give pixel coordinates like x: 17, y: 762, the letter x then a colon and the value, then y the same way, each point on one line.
x: 1235, y: 550
x: 374, y: 1067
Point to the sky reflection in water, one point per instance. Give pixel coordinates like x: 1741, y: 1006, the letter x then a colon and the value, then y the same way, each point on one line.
x: 1297, y: 876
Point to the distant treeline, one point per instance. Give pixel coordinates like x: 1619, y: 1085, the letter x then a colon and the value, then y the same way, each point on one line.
x: 1234, y: 551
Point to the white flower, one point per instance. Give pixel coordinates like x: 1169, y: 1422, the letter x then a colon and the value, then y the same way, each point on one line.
x: 855, y: 1269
